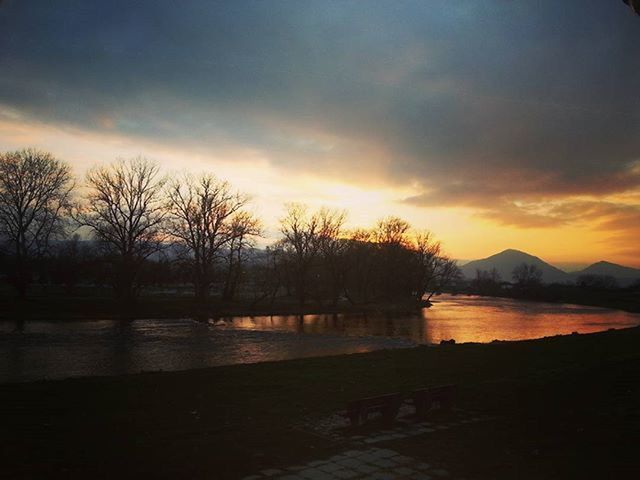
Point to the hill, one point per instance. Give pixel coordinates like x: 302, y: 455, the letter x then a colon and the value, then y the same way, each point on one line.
x: 504, y: 262
x: 624, y: 275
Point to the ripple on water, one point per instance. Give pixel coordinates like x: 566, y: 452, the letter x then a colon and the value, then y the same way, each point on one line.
x: 107, y: 347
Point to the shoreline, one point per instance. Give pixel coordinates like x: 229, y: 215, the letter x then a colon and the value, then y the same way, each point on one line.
x: 85, y: 307
x: 53, y: 307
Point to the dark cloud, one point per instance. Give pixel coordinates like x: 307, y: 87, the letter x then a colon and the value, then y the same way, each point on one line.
x: 486, y: 104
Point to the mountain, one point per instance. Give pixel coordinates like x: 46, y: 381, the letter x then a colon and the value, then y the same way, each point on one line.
x: 624, y: 275
x: 504, y: 262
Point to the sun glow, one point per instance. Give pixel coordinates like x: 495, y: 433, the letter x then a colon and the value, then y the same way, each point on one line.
x: 464, y: 233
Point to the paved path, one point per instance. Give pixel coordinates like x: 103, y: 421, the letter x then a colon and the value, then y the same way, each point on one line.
x: 370, y: 463
x: 363, y: 460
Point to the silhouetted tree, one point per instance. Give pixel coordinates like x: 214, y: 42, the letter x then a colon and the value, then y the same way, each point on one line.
x: 330, y: 267
x: 486, y: 282
x: 300, y: 244
x: 269, y: 274
x: 67, y: 263
x: 360, y: 266
x: 445, y: 274
x: 600, y: 282
x: 392, y: 231
x: 35, y: 190
x: 205, y: 217
x: 125, y: 210
x: 430, y: 267
x: 527, y: 275
x: 395, y: 267
x: 244, y: 228
x: 390, y: 262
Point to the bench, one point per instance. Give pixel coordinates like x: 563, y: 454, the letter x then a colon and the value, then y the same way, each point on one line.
x: 442, y: 397
x: 388, y: 406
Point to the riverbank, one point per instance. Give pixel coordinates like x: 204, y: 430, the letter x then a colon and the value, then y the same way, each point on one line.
x: 568, y: 408
x: 92, y: 303
x: 626, y: 299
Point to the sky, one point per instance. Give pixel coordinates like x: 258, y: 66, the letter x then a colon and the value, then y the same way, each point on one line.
x: 493, y: 123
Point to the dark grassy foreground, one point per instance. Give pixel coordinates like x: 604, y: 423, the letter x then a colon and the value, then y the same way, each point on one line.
x: 570, y: 408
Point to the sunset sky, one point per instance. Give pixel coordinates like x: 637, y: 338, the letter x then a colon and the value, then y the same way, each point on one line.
x: 494, y: 124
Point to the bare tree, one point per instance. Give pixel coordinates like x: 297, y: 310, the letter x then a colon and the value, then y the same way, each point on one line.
x: 35, y: 190
x: 205, y: 218
x: 446, y: 273
x: 299, y: 231
x: 243, y: 230
x: 428, y: 263
x: 269, y: 274
x: 527, y: 275
x: 331, y: 247
x: 392, y: 231
x: 600, y: 282
x: 360, y: 263
x: 487, y: 282
x: 394, y: 259
x: 125, y: 209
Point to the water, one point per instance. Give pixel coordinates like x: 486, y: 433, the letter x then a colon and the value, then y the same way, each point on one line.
x: 105, y: 347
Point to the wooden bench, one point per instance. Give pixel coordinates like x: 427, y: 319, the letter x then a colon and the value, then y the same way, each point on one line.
x: 388, y: 406
x: 442, y: 397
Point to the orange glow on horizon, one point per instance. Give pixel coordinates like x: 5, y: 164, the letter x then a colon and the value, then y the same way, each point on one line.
x: 463, y: 232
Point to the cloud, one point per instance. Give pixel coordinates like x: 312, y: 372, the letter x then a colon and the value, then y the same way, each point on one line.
x: 505, y: 107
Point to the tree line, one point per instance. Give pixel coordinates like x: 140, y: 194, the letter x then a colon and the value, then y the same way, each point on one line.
x: 527, y: 278
x: 147, y: 228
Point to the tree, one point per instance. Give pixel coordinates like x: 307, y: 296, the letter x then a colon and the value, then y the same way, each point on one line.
x: 392, y: 231
x: 68, y: 263
x: 486, y: 282
x: 243, y: 230
x: 269, y: 274
x: 445, y: 274
x: 429, y: 268
x: 205, y: 217
x: 331, y: 249
x: 35, y: 190
x: 125, y: 210
x: 395, y: 266
x: 599, y: 282
x: 299, y: 242
x: 527, y: 275
x: 360, y: 266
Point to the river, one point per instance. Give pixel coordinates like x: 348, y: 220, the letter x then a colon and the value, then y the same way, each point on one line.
x: 54, y: 350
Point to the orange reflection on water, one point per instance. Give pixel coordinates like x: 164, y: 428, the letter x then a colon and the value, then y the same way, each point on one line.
x: 463, y: 318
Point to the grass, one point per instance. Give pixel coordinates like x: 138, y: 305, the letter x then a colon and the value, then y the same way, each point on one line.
x: 569, y: 407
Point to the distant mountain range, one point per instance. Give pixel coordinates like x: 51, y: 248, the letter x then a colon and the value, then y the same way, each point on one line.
x: 624, y: 275
x: 504, y: 263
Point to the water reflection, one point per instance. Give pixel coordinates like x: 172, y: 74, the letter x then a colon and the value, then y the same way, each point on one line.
x: 43, y: 349
x: 64, y: 349
x: 464, y: 318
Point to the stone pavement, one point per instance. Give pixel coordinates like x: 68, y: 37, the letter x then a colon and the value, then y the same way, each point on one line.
x: 362, y: 460
x: 371, y: 463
